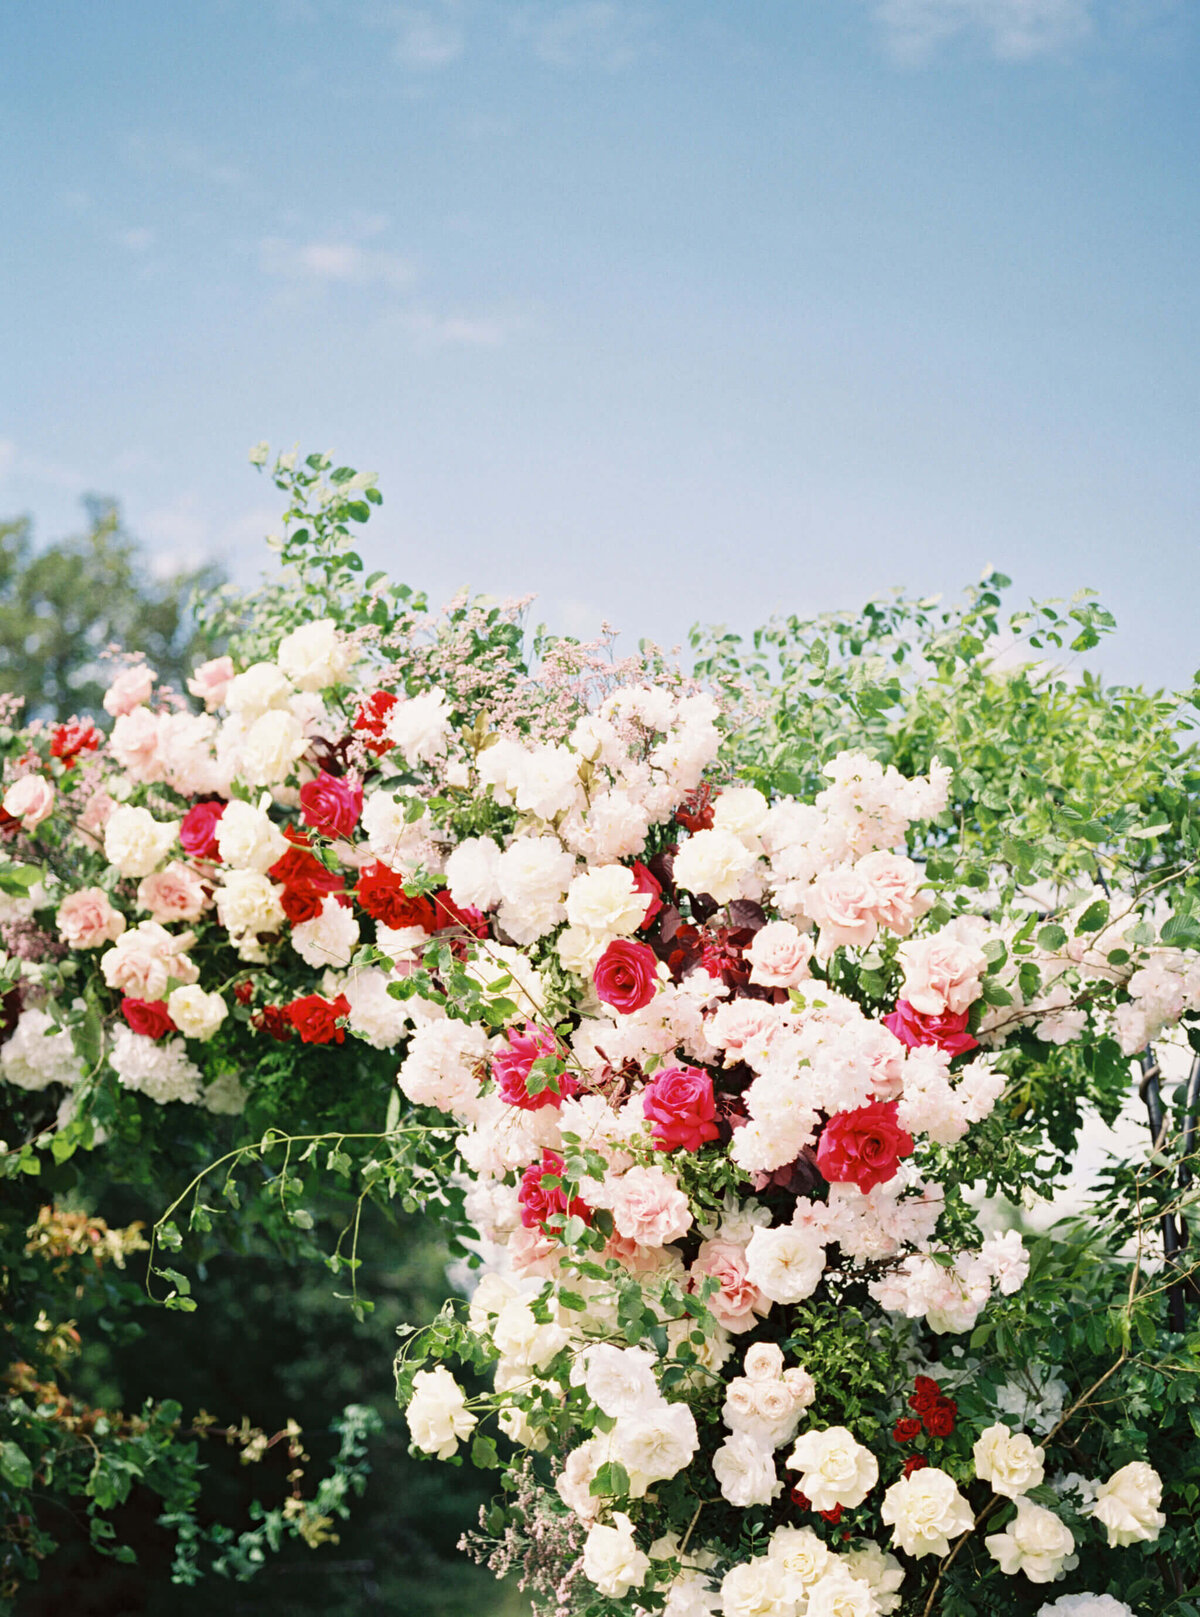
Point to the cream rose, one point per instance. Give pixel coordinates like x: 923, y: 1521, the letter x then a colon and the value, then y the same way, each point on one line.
x: 314, y: 656
x: 135, y: 842
x: 925, y: 1511
x: 612, y: 1560
x: 1008, y: 1460
x: 786, y: 1263
x: 1036, y: 1543
x: 248, y: 838
x: 248, y: 904
x: 835, y: 1469
x: 437, y: 1413
x: 606, y: 901
x: 271, y: 747
x: 716, y: 863
x: 1127, y: 1505
x: 258, y: 690
x: 196, y: 1014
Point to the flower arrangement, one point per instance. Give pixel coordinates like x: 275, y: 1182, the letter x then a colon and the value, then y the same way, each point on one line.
x: 704, y: 1073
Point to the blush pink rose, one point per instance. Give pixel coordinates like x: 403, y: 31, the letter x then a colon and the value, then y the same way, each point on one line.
x: 739, y: 1303
x: 210, y: 681
x: 626, y: 975
x: 531, y: 1252
x: 648, y: 1207
x: 129, y: 690
x: 863, y: 1147
x: 842, y: 903
x: 947, y: 1031
x: 95, y: 815
x: 740, y: 1026
x: 331, y: 805
x: 900, y: 900
x: 513, y: 1063
x: 175, y: 893
x: 134, y: 744
x: 680, y: 1107
x: 87, y: 919
x: 941, y: 974
x: 30, y: 800
x: 779, y: 955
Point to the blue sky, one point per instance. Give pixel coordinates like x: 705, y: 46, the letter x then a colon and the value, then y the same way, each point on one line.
x: 696, y: 309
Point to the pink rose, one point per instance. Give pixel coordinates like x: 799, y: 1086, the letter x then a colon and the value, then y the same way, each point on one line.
x: 863, y: 1147
x: 900, y: 900
x: 626, y: 975
x: 129, y: 690
x: 87, y: 919
x: 95, y: 815
x: 210, y: 681
x: 513, y: 1063
x: 198, y: 830
x: 779, y: 955
x: 134, y: 744
x: 739, y: 1302
x: 532, y: 1252
x: 173, y: 894
x: 941, y: 974
x: 742, y: 1026
x: 648, y: 1207
x: 842, y: 903
x: 331, y: 805
x: 679, y: 1104
x: 948, y: 1031
x: 143, y: 961
x: 30, y: 800
x: 540, y: 1201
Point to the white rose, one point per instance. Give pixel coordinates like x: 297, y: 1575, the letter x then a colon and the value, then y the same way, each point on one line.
x: 314, y: 656
x: 786, y: 1264
x: 402, y: 843
x: 258, y: 690
x: 519, y: 1336
x: 835, y: 1468
x: 925, y: 1511
x: 135, y: 842
x: 1036, y: 1543
x: 714, y: 862
x: 328, y: 939
x: 606, y: 901
x: 755, y: 1589
x: 579, y: 951
x: 437, y: 1413
x: 271, y: 747
x: 880, y: 1570
x: 840, y: 1594
x: 611, y: 1559
x: 1127, y: 1504
x: 654, y: 1444
x: 472, y: 875
x: 195, y: 1013
x: 248, y: 904
x: 419, y: 724
x: 1085, y: 1605
x: 763, y: 1362
x: 745, y: 1471
x: 1008, y: 1460
x: 743, y: 811
x: 248, y: 839
x: 620, y: 1381
x: 800, y: 1555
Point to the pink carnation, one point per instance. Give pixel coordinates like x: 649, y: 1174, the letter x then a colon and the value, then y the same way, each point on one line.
x: 680, y: 1106
x: 863, y: 1147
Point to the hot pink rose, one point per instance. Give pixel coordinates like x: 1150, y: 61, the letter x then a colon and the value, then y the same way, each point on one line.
x: 941, y: 974
x: 648, y: 1207
x: 331, y: 805
x: 210, y: 681
x: 842, y: 903
x: 87, y: 919
x: 948, y: 1031
x: 541, y: 1201
x: 679, y: 1104
x: 513, y: 1062
x: 198, y: 830
x: 129, y: 690
x: 134, y: 744
x: 863, y: 1147
x: 626, y: 975
x: 173, y: 894
x: 779, y: 955
x: 30, y: 800
x: 739, y: 1302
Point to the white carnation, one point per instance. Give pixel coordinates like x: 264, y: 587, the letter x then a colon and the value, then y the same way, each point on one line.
x: 248, y: 839
x: 328, y: 939
x: 135, y: 842
x: 38, y: 1053
x: 157, y: 1068
x: 419, y: 724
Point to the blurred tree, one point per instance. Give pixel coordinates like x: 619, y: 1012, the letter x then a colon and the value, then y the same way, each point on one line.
x: 63, y: 603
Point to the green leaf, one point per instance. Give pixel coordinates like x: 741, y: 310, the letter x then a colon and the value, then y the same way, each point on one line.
x: 15, y: 1466
x: 1093, y: 918
x: 483, y: 1453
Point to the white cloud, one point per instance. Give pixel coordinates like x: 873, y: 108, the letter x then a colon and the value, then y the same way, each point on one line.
x: 426, y: 37
x: 585, y: 33
x: 166, y: 155
x: 465, y: 331
x: 334, y: 262
x: 138, y: 240
x: 1012, y: 30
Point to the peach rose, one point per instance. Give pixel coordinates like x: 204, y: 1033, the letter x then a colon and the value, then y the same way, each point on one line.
x: 30, y: 800
x: 941, y: 974
x: 87, y: 919
x: 779, y: 955
x: 173, y: 894
x: 842, y: 903
x: 739, y: 1302
x: 210, y: 681
x: 900, y: 900
x: 129, y: 690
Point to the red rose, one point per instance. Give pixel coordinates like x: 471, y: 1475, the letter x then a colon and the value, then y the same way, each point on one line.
x: 915, y: 1462
x: 679, y: 1103
x: 330, y: 805
x: 149, y: 1017
x: 381, y: 893
x: 906, y: 1429
x: 274, y: 1019
x: 540, y: 1202
x: 68, y: 740
x: 939, y: 1421
x: 511, y: 1066
x: 925, y: 1394
x: 448, y: 914
x: 372, y: 716
x: 948, y: 1030
x: 801, y: 1500
x: 198, y: 830
x: 833, y: 1517
x: 305, y: 880
x: 315, y: 1019
x: 626, y: 975
x: 863, y: 1147
x: 244, y: 992
x: 645, y: 881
